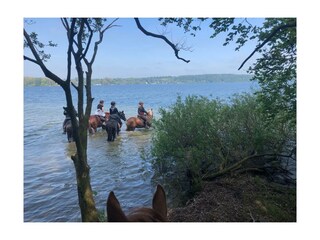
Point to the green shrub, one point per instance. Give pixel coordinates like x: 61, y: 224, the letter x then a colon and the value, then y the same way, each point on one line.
x: 197, y: 136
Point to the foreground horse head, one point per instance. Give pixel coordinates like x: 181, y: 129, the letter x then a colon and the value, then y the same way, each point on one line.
x: 158, y: 212
x: 136, y: 122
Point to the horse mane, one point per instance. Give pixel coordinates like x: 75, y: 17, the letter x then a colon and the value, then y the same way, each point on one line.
x: 150, y: 112
x: 158, y: 212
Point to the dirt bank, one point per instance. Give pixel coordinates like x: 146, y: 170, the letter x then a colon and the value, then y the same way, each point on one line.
x: 239, y: 199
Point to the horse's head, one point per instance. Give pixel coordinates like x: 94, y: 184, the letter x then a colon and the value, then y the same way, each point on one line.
x: 65, y: 112
x: 150, y: 112
x: 158, y: 212
x: 122, y: 115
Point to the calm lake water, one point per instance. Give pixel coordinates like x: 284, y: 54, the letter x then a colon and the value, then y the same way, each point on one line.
x: 123, y: 166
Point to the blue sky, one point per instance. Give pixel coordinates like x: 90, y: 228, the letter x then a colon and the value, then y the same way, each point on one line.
x: 127, y: 52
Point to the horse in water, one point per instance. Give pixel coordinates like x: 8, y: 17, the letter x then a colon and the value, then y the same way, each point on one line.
x: 113, y: 125
x: 137, y: 122
x: 67, y: 125
x: 96, y: 122
x: 158, y: 212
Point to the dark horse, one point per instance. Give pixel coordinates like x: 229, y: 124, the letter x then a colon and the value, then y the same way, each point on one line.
x: 113, y: 125
x: 137, y: 122
x: 67, y: 125
x: 95, y: 122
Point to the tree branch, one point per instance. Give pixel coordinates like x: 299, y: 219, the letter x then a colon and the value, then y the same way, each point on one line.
x: 111, y: 25
x: 89, y: 41
x: 38, y: 61
x: 238, y: 165
x: 273, y: 33
x: 31, y: 60
x: 175, y: 49
x: 74, y: 86
x: 71, y: 34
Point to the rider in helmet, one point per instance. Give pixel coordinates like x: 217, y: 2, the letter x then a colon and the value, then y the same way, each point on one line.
x: 114, y: 110
x: 100, y: 111
x: 142, y: 114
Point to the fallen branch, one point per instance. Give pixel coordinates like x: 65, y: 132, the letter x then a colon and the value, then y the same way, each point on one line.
x: 237, y: 165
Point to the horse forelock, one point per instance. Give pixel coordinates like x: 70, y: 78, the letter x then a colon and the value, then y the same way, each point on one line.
x: 145, y: 215
x: 150, y: 112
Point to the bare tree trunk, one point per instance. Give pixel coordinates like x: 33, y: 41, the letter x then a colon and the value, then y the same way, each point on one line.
x: 86, y: 201
x: 89, y: 212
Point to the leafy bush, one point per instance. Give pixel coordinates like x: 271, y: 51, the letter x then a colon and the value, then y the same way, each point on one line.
x: 198, y: 136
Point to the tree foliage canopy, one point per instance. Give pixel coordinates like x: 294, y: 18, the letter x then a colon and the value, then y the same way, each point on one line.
x: 275, y: 66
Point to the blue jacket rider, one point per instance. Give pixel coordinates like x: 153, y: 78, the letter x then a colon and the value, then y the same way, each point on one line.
x: 142, y: 114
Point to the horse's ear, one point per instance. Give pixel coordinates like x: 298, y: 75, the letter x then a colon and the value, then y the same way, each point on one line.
x: 114, y: 211
x: 159, y: 202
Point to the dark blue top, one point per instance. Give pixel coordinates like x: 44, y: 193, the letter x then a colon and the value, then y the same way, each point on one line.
x: 113, y: 111
x: 141, y: 110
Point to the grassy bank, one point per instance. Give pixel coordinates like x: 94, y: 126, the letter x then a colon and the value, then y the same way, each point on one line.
x: 198, y: 140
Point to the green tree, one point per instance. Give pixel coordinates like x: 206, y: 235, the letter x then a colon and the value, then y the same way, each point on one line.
x: 200, y: 139
x: 275, y: 66
x: 80, y: 33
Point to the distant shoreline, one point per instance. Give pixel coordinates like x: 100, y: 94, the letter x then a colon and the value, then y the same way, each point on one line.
x: 203, y: 78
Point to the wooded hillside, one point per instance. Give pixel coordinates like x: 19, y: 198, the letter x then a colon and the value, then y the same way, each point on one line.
x: 204, y: 78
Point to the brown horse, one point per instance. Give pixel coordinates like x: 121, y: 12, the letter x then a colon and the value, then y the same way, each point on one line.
x: 158, y: 212
x: 95, y: 122
x: 136, y: 122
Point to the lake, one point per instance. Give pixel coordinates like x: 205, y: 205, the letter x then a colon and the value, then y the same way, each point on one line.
x: 122, y: 166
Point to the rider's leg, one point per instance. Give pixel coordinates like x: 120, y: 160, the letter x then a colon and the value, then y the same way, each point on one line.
x: 145, y: 122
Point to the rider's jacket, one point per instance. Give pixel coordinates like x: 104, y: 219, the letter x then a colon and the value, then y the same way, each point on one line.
x: 113, y: 110
x: 99, y: 112
x: 141, y: 111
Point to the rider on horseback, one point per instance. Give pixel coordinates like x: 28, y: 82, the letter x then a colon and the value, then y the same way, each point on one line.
x: 114, y: 110
x: 68, y: 118
x: 100, y: 111
x: 142, y: 114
